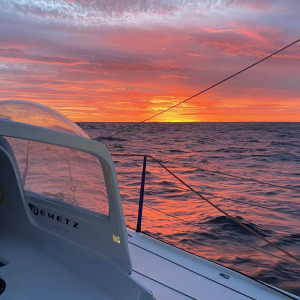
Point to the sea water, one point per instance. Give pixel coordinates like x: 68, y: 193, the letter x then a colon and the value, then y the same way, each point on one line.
x: 249, y: 170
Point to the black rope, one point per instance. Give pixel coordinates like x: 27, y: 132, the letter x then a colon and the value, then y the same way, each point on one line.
x: 217, y: 207
x: 236, y: 176
x: 225, y: 174
x: 205, y: 90
x: 159, y: 282
x: 188, y: 269
x: 227, y: 214
x: 199, y: 226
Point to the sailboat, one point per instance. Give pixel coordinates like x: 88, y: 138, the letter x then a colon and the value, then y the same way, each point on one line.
x: 63, y: 233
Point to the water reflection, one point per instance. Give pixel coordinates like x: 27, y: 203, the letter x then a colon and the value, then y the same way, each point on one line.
x: 263, y: 151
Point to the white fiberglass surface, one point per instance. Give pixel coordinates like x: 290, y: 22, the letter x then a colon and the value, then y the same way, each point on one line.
x: 69, y: 175
x: 39, y: 115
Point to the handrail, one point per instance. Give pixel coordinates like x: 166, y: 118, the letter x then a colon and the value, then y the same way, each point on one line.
x: 203, y: 198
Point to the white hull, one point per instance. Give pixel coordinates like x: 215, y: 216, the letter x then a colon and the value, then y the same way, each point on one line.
x: 171, y: 273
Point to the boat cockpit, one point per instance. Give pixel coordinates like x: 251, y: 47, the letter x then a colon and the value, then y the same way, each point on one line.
x: 63, y: 233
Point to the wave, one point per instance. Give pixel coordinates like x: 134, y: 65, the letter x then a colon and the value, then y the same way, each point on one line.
x: 224, y: 224
x: 109, y: 138
x: 292, y: 239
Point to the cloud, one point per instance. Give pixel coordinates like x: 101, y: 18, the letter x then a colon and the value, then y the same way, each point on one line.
x: 101, y: 12
x: 20, y: 55
x: 97, y: 53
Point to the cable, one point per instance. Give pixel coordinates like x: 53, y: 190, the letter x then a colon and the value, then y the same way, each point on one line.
x: 205, y: 90
x: 232, y: 218
x: 199, y: 226
x: 226, y: 174
x: 235, y: 220
x: 236, y: 176
x: 228, y: 215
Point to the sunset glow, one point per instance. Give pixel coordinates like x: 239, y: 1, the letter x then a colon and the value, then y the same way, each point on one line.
x: 121, y: 61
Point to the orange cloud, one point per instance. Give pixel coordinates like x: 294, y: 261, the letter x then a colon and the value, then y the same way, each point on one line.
x: 126, y: 63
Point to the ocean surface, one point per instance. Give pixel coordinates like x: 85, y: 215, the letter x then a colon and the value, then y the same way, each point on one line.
x: 249, y: 170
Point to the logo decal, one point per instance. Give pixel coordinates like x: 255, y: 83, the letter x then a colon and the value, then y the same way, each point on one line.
x: 33, y: 209
x: 1, y: 193
x: 52, y: 216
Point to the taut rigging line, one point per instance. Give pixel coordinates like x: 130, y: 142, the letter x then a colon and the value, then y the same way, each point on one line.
x: 207, y: 89
x: 222, y: 211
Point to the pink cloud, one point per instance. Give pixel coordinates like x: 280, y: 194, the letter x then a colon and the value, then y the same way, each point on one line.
x: 162, y: 50
x: 13, y: 54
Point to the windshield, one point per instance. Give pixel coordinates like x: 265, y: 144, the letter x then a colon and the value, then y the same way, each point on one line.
x: 39, y: 115
x: 65, y: 174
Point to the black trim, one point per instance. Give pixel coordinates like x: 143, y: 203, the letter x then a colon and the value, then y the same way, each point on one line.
x: 164, y: 285
x: 258, y: 281
x: 2, y: 286
x: 189, y: 271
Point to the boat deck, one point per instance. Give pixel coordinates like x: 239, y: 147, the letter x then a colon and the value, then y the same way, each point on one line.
x: 29, y: 273
x: 168, y: 272
x: 171, y: 273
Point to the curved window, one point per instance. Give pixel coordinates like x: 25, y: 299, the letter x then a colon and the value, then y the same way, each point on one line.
x: 69, y: 175
x: 38, y: 115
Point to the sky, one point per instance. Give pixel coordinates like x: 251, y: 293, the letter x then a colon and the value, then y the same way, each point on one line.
x: 126, y: 60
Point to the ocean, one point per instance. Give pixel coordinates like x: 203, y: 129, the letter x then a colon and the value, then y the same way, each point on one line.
x: 249, y: 170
